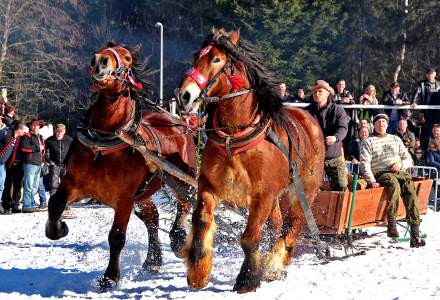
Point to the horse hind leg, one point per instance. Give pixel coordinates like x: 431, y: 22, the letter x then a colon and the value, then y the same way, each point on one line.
x: 285, y: 247
x: 178, y: 232
x: 183, y: 194
x: 147, y: 212
x: 198, y: 250
x: 273, y: 261
x: 116, y: 240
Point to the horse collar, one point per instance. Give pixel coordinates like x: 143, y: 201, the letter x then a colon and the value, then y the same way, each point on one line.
x: 246, y: 139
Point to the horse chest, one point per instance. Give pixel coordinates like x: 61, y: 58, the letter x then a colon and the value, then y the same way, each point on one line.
x: 233, y: 185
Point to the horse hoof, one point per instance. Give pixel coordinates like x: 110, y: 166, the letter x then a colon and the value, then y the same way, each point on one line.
x: 270, y: 276
x: 247, y: 283
x: 106, y: 284
x: 199, y: 272
x: 177, y: 241
x: 151, y: 267
x: 56, y: 230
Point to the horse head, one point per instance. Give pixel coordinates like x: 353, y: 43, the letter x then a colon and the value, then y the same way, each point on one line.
x: 213, y: 73
x: 112, y: 69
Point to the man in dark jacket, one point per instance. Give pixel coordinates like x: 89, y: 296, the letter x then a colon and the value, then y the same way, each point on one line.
x: 9, y: 116
x: 57, y: 147
x: 408, y: 138
x: 427, y: 93
x: 32, y: 145
x: 334, y: 123
x: 394, y: 96
x: 8, y: 147
x: 282, y: 90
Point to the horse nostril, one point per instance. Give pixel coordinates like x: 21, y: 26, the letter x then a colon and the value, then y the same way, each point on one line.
x: 186, y: 96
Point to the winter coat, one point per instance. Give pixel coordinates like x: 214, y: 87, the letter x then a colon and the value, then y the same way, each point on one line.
x: 57, y: 149
x: 8, y: 120
x: 333, y: 121
x: 389, y: 99
x: 7, y: 144
x: 30, y: 146
x: 424, y: 91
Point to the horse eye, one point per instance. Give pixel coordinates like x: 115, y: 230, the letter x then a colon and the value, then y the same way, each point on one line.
x: 93, y: 61
x: 104, y: 61
x: 216, y: 60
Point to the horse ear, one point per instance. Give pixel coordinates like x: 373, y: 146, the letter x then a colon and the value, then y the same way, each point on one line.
x: 136, y: 51
x: 235, y: 36
x: 112, y: 43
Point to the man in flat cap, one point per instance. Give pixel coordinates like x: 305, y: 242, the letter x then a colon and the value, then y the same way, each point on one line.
x: 57, y: 147
x: 384, y: 161
x: 396, y: 97
x: 334, y: 124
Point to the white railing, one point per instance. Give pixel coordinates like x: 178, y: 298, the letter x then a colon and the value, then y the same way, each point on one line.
x: 375, y: 106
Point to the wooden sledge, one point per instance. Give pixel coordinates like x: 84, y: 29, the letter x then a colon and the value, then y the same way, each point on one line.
x: 331, y: 209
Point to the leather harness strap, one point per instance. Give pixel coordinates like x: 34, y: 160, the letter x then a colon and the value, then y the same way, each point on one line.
x: 296, y: 186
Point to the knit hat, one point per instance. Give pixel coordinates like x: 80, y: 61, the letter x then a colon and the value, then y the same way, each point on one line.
x: 325, y: 86
x: 381, y: 116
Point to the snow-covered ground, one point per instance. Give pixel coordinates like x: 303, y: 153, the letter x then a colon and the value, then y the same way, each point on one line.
x: 31, y: 266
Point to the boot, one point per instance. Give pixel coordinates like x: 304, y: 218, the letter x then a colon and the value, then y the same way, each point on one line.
x: 392, y: 228
x: 416, y: 241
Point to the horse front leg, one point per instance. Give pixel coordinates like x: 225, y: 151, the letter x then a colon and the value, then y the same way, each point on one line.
x: 250, y: 274
x: 198, y: 250
x: 55, y: 228
x: 116, y: 240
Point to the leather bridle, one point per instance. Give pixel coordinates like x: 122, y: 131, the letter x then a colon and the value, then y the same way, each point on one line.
x: 122, y: 73
x: 205, y: 85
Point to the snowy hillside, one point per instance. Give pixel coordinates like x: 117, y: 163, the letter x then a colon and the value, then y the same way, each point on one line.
x: 31, y: 266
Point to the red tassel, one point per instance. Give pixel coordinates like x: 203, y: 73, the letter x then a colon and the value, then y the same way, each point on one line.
x: 237, y: 82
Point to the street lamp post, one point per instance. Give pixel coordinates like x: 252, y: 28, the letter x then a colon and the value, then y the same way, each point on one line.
x: 159, y: 25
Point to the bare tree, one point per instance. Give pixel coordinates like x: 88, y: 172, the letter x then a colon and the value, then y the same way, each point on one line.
x: 37, y: 52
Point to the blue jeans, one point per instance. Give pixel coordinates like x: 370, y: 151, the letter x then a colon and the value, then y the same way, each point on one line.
x: 2, y: 178
x: 31, y: 180
x: 42, y: 192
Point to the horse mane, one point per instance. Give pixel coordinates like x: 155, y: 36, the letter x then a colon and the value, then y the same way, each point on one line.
x: 263, y: 80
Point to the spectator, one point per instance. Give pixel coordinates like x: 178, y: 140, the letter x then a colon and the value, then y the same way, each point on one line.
x: 9, y: 116
x: 433, y: 153
x: 4, y: 101
x: 394, y: 96
x: 387, y: 168
x: 424, y: 95
x: 334, y: 123
x: 363, y: 133
x: 9, y: 144
x: 368, y: 98
x: 300, y: 96
x: 285, y: 97
x: 342, y: 95
x: 32, y: 146
x: 408, y: 138
x: 57, y: 147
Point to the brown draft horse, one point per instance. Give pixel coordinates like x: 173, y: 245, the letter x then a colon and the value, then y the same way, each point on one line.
x: 252, y: 174
x: 117, y: 174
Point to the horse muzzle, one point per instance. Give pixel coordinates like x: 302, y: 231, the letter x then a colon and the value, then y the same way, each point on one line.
x: 56, y: 229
